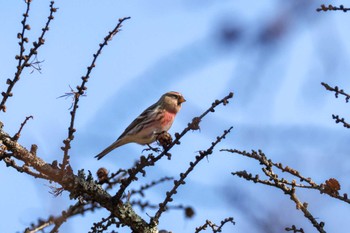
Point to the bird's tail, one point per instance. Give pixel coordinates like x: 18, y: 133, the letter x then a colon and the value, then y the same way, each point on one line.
x: 115, y: 144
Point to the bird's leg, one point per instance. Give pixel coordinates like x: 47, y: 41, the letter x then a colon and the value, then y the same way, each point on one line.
x: 155, y: 149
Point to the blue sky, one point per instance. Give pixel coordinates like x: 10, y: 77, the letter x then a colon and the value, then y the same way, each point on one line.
x: 272, y: 55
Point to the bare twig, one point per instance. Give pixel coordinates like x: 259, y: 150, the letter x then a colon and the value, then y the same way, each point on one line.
x: 73, y: 210
x: 213, y: 226
x: 288, y: 188
x: 294, y: 229
x: 104, y: 224
x: 181, y: 181
x: 337, y: 91
x: 81, y: 90
x: 340, y: 120
x: 150, y: 185
x: 18, y: 134
x: 23, y: 169
x: 24, y: 60
x: 332, y: 8
x: 189, y: 212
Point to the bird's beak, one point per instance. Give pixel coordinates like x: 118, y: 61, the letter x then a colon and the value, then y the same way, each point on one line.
x: 181, y: 100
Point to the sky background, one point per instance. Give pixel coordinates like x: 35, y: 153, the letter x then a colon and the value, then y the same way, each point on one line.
x: 272, y: 54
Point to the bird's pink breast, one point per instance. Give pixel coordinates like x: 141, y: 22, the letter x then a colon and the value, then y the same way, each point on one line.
x: 167, y: 120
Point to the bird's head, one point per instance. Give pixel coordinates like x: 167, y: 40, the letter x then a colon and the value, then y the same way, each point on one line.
x: 171, y: 101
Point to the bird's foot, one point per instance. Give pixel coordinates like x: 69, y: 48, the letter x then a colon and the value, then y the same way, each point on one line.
x: 150, y: 148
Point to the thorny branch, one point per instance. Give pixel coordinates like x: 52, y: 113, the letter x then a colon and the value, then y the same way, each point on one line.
x: 81, y: 90
x: 181, y: 181
x: 150, y: 160
x: 24, y: 60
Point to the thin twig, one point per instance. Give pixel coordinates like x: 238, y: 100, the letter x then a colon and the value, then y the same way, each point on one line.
x: 73, y: 210
x: 294, y: 229
x: 337, y: 91
x: 213, y: 226
x: 181, y: 181
x: 150, y: 185
x: 339, y: 119
x: 332, y: 8
x: 81, y: 90
x: 18, y: 134
x: 24, y: 60
x: 279, y: 183
x: 104, y: 224
x: 23, y: 169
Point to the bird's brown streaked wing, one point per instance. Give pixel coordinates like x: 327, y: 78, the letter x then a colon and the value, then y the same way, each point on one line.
x: 142, y: 117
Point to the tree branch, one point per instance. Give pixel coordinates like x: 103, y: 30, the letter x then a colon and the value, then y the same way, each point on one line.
x: 177, y: 183
x: 81, y: 90
x: 280, y: 183
x: 24, y: 60
x: 78, y: 186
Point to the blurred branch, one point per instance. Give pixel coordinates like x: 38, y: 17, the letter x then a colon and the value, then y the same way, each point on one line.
x: 24, y: 60
x: 213, y: 226
x: 181, y: 181
x: 80, y: 90
x: 337, y: 91
x: 110, y: 180
x: 294, y: 229
x: 104, y: 224
x: 340, y: 120
x: 332, y: 8
x: 148, y: 186
x: 188, y: 210
x: 288, y: 187
x: 78, y: 208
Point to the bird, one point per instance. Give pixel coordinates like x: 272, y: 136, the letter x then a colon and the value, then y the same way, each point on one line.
x: 156, y: 119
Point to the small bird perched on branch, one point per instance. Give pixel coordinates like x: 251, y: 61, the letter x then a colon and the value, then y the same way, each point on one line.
x: 153, y: 121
